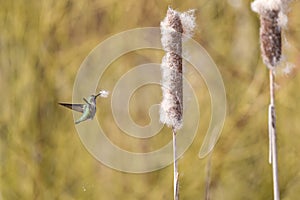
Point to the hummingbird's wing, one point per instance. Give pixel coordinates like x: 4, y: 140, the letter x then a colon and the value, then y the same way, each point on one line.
x: 77, y: 107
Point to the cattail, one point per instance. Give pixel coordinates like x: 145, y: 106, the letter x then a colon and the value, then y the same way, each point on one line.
x: 270, y: 37
x: 173, y: 27
x: 272, y: 20
x: 171, y: 106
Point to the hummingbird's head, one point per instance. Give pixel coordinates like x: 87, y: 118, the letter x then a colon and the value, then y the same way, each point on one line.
x: 92, y: 98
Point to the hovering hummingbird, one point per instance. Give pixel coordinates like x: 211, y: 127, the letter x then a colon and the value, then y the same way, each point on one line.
x: 88, y: 109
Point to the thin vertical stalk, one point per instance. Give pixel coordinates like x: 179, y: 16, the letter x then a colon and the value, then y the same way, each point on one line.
x: 208, y: 178
x: 272, y: 134
x: 175, y: 168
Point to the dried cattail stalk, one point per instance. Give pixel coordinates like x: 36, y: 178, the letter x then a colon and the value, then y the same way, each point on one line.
x: 171, y: 106
x: 272, y: 20
x: 172, y: 27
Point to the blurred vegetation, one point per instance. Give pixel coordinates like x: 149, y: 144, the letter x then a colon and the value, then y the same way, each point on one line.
x: 43, y: 43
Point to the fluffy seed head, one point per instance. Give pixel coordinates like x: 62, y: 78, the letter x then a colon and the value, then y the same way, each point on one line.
x: 172, y: 28
x: 272, y: 20
x: 270, y: 38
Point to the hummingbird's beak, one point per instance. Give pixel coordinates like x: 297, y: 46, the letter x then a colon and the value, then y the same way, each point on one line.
x: 102, y: 93
x: 97, y: 95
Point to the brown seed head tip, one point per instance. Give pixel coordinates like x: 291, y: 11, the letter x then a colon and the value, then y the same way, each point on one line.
x: 171, y: 30
x: 173, y: 19
x: 173, y: 26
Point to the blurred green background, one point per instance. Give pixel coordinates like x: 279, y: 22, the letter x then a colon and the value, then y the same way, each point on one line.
x: 43, y: 43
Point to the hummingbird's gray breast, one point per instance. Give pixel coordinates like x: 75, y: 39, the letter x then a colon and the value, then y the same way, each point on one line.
x: 92, y: 108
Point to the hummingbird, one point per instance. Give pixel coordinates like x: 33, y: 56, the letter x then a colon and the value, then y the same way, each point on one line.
x: 88, y: 109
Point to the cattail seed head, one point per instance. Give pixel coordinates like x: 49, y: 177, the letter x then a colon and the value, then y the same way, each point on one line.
x: 270, y: 38
x: 272, y: 20
x: 172, y: 29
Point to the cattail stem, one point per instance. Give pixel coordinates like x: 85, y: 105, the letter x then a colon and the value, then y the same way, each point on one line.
x: 272, y: 135
x: 175, y: 168
x: 271, y: 113
x: 208, y: 177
